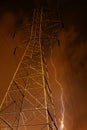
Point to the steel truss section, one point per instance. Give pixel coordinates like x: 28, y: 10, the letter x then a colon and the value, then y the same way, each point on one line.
x: 28, y: 103
x: 51, y: 26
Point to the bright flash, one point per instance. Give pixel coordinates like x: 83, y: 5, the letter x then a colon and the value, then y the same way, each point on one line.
x: 62, y: 125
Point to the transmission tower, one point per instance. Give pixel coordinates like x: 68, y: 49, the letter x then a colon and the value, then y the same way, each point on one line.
x: 28, y: 102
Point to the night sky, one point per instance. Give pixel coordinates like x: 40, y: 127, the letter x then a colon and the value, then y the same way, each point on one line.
x: 70, y: 58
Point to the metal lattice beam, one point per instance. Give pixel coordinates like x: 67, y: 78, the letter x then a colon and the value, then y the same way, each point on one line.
x: 28, y: 103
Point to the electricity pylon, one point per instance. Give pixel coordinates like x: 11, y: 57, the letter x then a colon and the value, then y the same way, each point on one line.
x: 28, y: 102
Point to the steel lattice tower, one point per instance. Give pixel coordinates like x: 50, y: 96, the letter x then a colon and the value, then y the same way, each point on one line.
x: 28, y: 103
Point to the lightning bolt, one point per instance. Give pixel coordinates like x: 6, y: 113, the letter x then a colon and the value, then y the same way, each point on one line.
x: 61, y: 127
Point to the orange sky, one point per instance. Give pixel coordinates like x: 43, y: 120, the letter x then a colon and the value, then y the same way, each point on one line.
x: 70, y: 60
